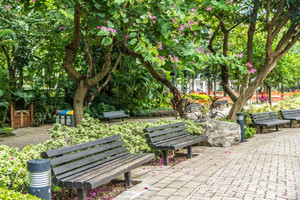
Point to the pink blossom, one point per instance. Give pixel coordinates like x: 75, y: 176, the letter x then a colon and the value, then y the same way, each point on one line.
x: 8, y: 7
x: 181, y: 27
x: 252, y: 71
x: 170, y: 55
x: 126, y: 36
x: 102, y: 131
x: 191, y: 21
x: 176, y: 59
x: 208, y: 8
x: 159, y: 45
x: 208, y: 53
x: 33, y: 0
x: 99, y: 27
x: 250, y: 65
x: 174, y: 20
x: 65, y: 35
x: 161, y: 58
x: 193, y: 10
x: 145, y: 188
x: 154, y: 21
x: 284, y: 195
x: 188, y: 26
x: 199, y: 50
x: 195, y: 33
x: 62, y: 28
x: 11, y: 158
x: 114, y: 31
x: 240, y: 55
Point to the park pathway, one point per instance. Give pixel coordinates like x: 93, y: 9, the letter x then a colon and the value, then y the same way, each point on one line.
x: 265, y: 167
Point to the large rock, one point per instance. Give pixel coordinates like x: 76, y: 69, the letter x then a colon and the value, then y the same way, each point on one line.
x: 221, y: 134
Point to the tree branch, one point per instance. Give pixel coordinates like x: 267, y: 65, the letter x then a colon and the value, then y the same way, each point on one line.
x: 285, y: 39
x: 289, y: 46
x: 279, y: 26
x: 274, y: 19
x: 89, y: 56
x: 107, y: 79
x: 150, y: 68
x: 210, y: 46
x: 251, y: 32
x: 70, y: 49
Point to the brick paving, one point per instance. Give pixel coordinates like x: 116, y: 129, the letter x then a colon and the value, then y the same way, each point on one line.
x: 265, y: 167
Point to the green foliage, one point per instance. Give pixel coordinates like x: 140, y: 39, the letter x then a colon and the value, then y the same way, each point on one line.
x: 195, y: 96
x: 13, y: 163
x: 13, y: 195
x: 249, y: 132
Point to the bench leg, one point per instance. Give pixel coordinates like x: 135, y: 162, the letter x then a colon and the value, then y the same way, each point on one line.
x: 291, y: 124
x: 122, y: 119
x: 81, y: 194
x: 277, y: 127
x: 165, y: 157
x: 189, y: 150
x: 128, y: 182
x: 261, y: 129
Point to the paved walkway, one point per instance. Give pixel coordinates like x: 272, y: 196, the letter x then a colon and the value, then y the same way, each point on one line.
x: 265, y: 167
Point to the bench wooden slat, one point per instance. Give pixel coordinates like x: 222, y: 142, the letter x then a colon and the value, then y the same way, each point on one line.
x: 181, y: 142
x: 149, y: 130
x: 169, y: 139
x: 88, y: 152
x: 83, y: 169
x: 94, y: 182
x: 86, y: 161
x: 64, y: 150
x: 168, y: 136
x: 81, y: 177
x: 163, y: 132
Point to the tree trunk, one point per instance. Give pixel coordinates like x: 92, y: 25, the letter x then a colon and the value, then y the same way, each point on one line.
x: 215, y: 74
x: 270, y: 94
x: 78, y: 102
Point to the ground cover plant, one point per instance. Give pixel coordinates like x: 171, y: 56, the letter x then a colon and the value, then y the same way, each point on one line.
x: 13, y: 162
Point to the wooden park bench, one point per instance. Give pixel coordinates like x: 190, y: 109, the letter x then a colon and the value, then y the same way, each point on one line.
x: 91, y: 164
x: 267, y: 119
x: 223, y: 102
x: 171, y: 137
x: 115, y: 115
x: 290, y: 115
x: 193, y: 106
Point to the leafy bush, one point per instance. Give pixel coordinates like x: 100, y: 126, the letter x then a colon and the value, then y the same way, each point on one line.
x: 13, y: 163
x: 13, y: 195
x: 194, y: 96
x: 249, y: 132
x: 163, y: 111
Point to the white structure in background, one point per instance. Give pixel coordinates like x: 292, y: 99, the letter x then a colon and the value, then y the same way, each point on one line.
x: 201, y: 85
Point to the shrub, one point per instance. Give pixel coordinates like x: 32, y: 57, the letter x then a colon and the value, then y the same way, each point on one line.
x: 13, y: 195
x: 249, y: 132
x: 194, y: 96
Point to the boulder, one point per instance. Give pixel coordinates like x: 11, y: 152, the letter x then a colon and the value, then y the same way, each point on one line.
x: 221, y: 133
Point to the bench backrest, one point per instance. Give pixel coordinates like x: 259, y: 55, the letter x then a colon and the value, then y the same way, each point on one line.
x: 158, y: 134
x: 222, y: 102
x: 290, y: 113
x: 86, y: 155
x: 263, y: 117
x: 113, y: 113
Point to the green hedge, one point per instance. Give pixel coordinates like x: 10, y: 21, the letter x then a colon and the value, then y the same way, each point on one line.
x: 13, y: 195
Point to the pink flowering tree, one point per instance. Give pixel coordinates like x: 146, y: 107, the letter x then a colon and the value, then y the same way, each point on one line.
x: 281, y: 32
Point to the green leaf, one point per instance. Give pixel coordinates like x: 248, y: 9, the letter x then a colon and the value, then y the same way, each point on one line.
x: 133, y: 41
x: 119, y: 2
x: 97, y: 5
x: 107, y: 41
